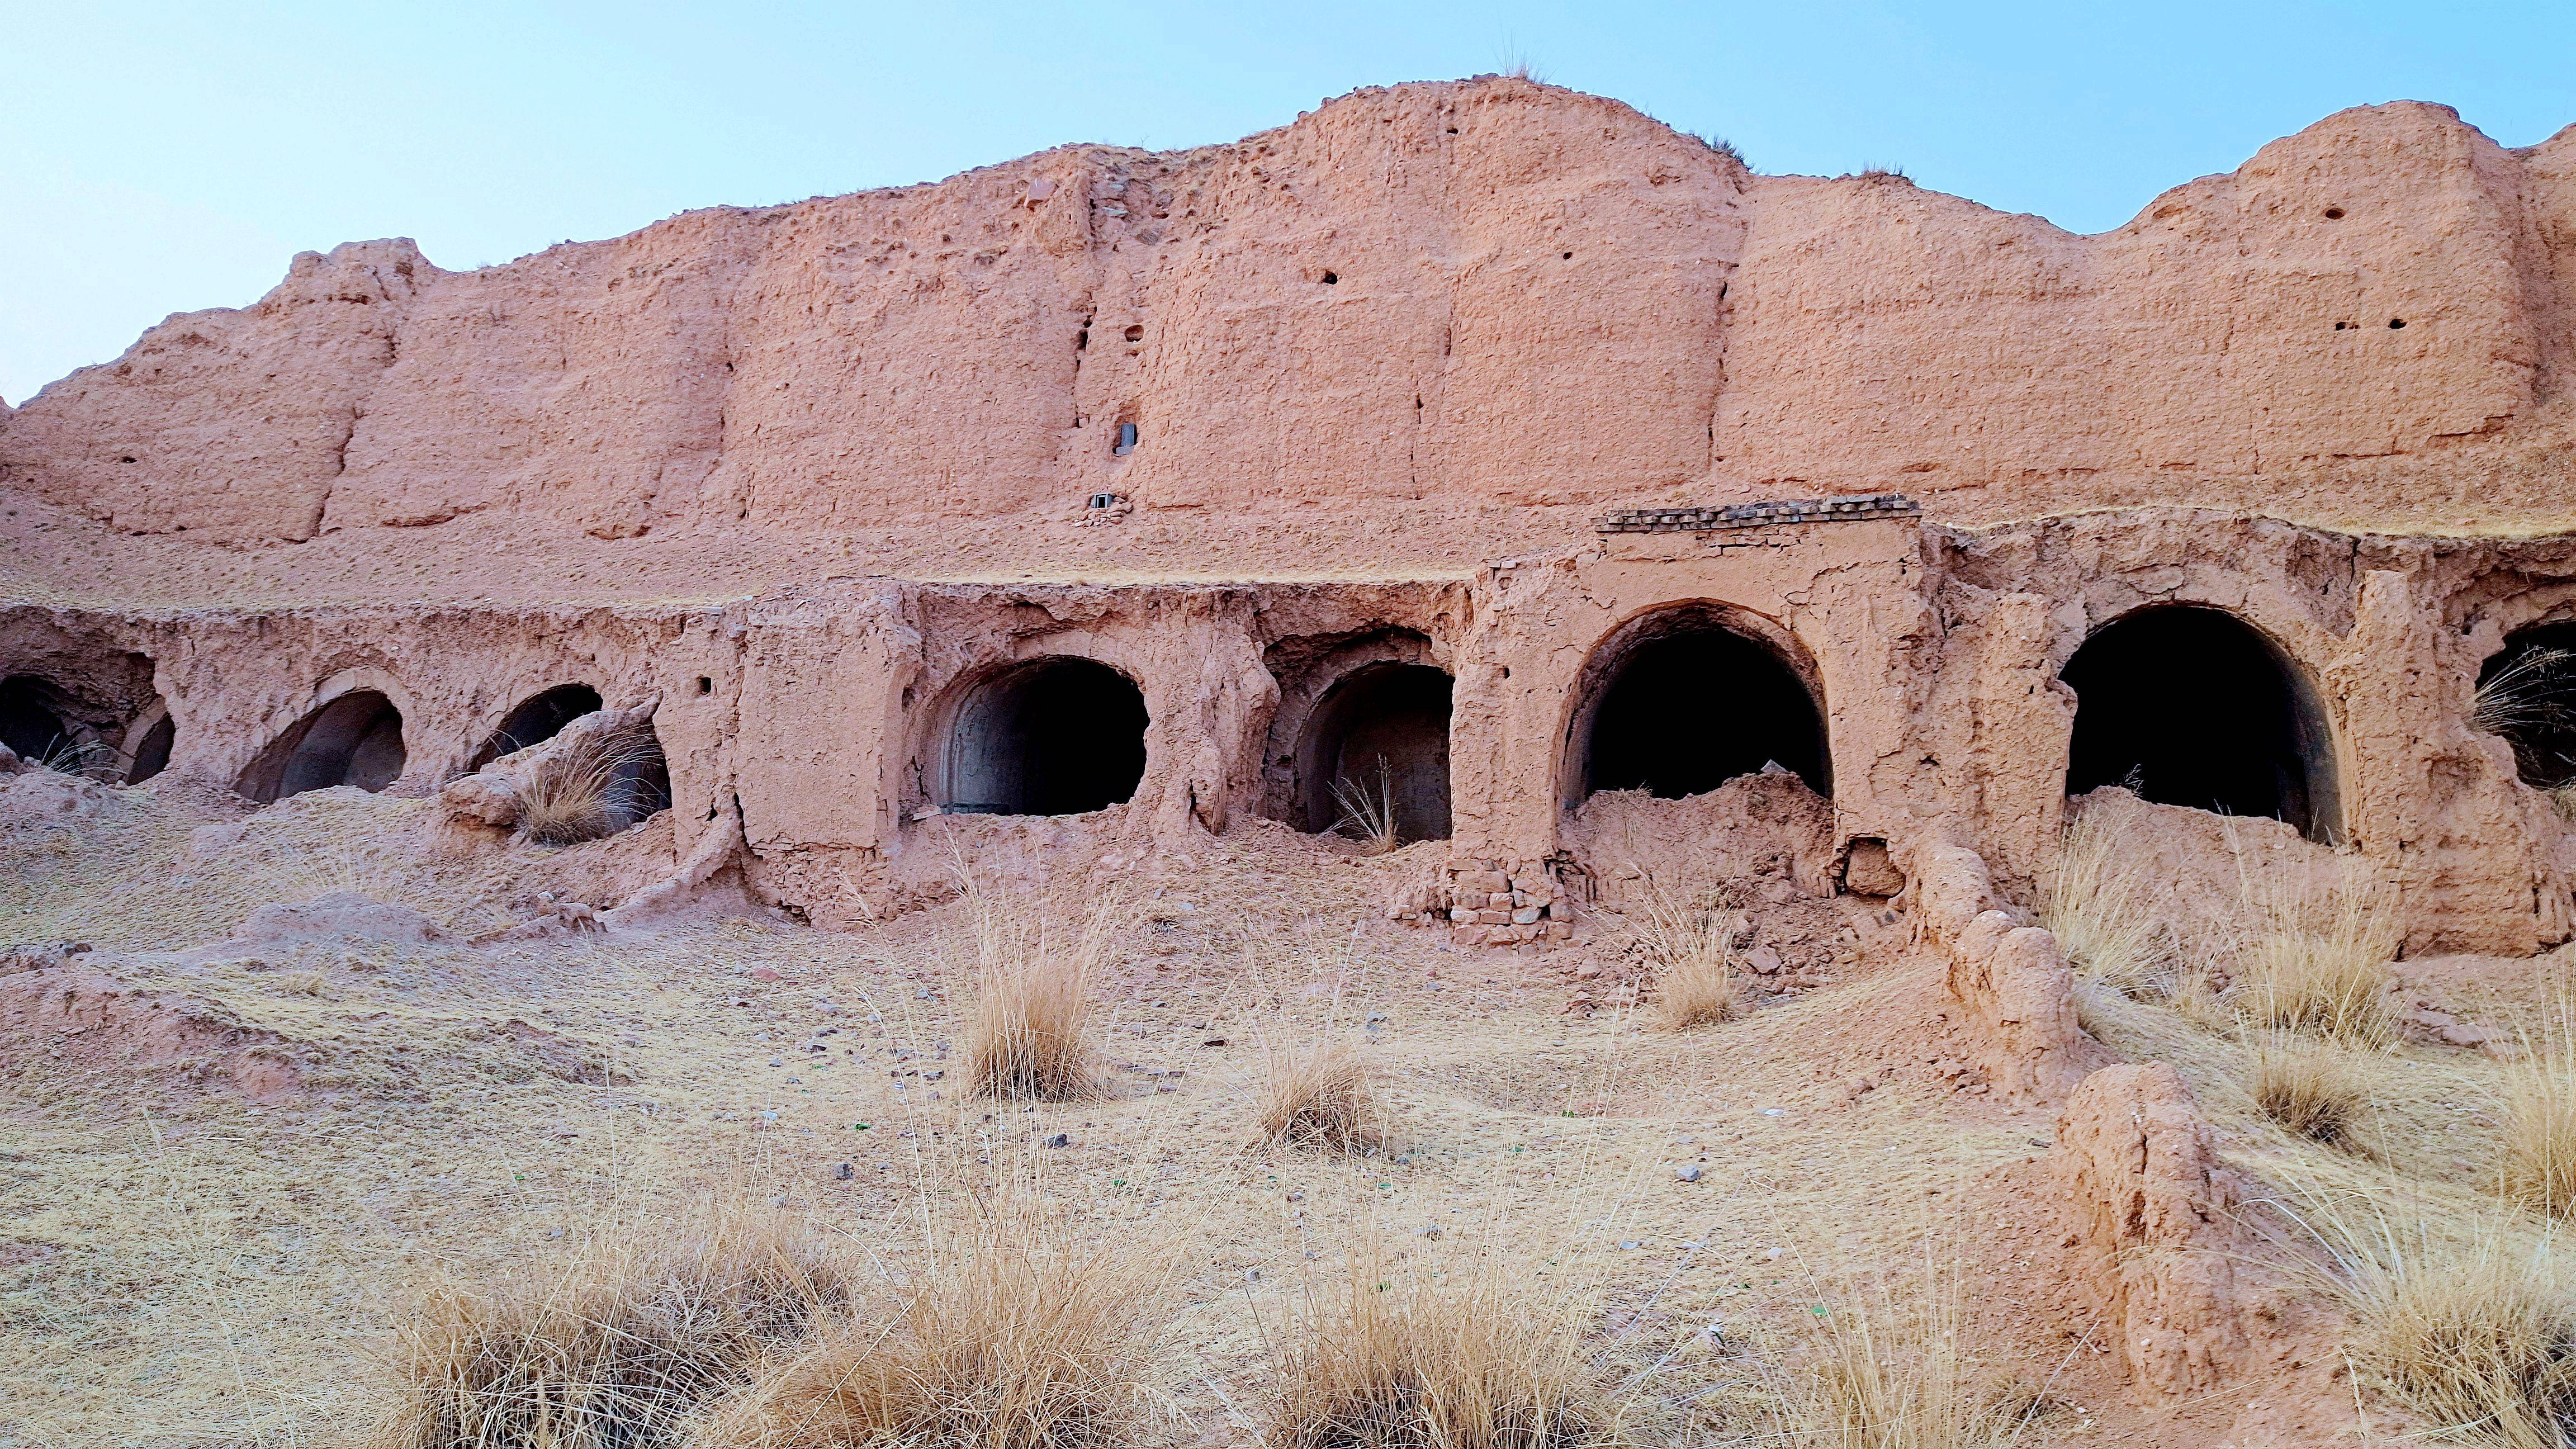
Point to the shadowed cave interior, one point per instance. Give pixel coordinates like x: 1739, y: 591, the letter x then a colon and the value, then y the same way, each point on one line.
x: 1055, y: 736
x: 1383, y: 731
x: 2192, y: 706
x: 356, y: 739
x: 1688, y: 704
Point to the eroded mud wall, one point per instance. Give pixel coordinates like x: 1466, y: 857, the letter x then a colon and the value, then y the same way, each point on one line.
x: 826, y: 714
x: 1477, y: 292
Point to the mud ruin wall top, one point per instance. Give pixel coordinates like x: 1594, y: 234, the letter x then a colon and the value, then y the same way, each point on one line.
x: 1461, y: 293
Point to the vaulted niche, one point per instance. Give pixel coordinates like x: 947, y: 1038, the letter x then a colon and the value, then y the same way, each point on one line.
x: 35, y: 722
x: 106, y: 741
x: 356, y: 739
x: 1054, y: 736
x: 537, y: 719
x: 2193, y: 706
x: 1378, y: 740
x: 1682, y: 700
x: 2527, y: 695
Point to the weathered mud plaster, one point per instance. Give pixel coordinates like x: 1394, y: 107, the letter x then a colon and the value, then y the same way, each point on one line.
x: 1844, y: 605
x: 2388, y: 631
x: 823, y: 714
x: 2153, y: 1223
x: 2010, y: 977
x: 1489, y: 291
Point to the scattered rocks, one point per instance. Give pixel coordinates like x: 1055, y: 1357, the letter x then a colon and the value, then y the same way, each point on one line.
x: 38, y: 955
x: 1489, y: 903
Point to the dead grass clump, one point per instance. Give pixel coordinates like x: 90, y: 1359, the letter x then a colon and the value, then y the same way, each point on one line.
x: 1885, y: 1367
x: 1321, y: 1094
x: 2097, y: 906
x: 2539, y: 1159
x: 611, y: 1352
x: 587, y: 789
x: 2310, y: 1088
x: 1368, y: 809
x: 2476, y: 1336
x: 1029, y: 1038
x: 2317, y: 957
x: 1006, y: 1339
x: 2528, y: 702
x: 1400, y: 1358
x: 1692, y: 949
x: 90, y: 760
x: 2196, y: 999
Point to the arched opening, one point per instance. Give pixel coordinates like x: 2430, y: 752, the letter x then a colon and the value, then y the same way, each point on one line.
x: 356, y: 739
x: 537, y: 719
x: 1679, y: 702
x: 2527, y: 695
x: 1055, y: 736
x: 34, y: 724
x: 2193, y: 706
x: 1379, y: 739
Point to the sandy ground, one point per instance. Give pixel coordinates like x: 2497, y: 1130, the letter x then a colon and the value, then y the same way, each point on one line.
x: 192, y: 1255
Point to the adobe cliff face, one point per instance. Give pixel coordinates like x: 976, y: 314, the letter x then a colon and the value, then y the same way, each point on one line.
x: 1357, y: 394
x: 1486, y: 292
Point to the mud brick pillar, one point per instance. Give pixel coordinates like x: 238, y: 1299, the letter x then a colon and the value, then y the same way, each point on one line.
x: 2433, y: 801
x: 2023, y: 724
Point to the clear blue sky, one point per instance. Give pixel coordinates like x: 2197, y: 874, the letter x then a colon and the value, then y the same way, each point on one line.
x: 165, y: 157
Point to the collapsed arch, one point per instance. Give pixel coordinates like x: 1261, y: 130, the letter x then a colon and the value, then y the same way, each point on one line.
x: 2192, y: 706
x: 1055, y: 736
x: 1380, y: 728
x: 538, y: 718
x: 1682, y: 700
x: 356, y: 739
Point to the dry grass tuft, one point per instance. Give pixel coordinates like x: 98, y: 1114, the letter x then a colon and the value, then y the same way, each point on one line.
x: 2317, y: 958
x: 1885, y: 1368
x: 2535, y: 695
x: 91, y: 760
x: 2478, y: 1337
x: 2099, y: 906
x: 1368, y: 809
x: 589, y: 789
x: 1320, y: 1094
x: 2311, y: 1088
x: 1030, y: 1036
x: 1401, y: 1358
x: 1007, y: 1339
x: 607, y: 1353
x: 2196, y: 999
x: 1692, y: 948
x: 2539, y: 1159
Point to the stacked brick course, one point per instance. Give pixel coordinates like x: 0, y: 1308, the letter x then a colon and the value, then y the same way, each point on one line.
x: 1490, y: 903
x: 1758, y: 515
